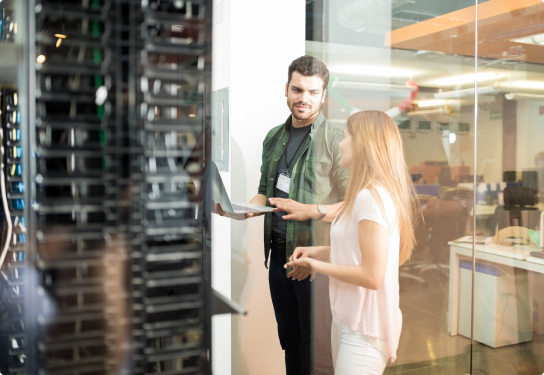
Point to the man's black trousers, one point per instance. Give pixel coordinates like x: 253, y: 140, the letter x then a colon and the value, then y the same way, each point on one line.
x: 292, y: 305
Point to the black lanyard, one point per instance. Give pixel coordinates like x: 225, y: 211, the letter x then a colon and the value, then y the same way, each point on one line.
x: 298, y: 148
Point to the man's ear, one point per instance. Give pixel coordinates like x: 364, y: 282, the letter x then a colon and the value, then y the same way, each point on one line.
x: 286, y: 87
x: 324, y: 95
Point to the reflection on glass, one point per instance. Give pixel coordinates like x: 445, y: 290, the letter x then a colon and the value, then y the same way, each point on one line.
x: 404, y: 58
x: 508, y: 307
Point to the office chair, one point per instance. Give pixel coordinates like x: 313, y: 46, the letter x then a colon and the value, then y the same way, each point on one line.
x: 443, y: 229
x: 517, y: 209
x: 409, y: 270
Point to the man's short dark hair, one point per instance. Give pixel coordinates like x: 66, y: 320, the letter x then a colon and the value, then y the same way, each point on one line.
x: 309, y: 66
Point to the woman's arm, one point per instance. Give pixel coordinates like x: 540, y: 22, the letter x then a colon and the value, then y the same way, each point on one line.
x: 373, y: 244
x: 312, y: 252
x: 315, y: 252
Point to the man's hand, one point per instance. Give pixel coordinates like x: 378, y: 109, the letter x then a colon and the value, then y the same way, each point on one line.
x: 302, y: 268
x: 218, y: 210
x: 295, y: 211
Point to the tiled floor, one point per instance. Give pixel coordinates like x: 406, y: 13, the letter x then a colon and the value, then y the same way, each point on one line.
x: 426, y: 348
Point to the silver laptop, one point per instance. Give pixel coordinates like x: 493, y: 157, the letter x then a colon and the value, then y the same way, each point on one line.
x: 219, y: 195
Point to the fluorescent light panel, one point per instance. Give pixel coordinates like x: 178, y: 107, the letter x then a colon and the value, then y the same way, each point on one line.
x: 537, y: 39
x: 465, y: 92
x: 466, y: 78
x: 372, y: 86
x: 512, y: 95
x: 425, y: 112
x: 380, y: 71
x: 431, y: 103
x: 527, y: 84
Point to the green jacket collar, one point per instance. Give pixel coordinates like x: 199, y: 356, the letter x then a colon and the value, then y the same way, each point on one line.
x: 318, y: 121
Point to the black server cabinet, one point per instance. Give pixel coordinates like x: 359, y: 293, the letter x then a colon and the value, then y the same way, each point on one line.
x: 103, y: 207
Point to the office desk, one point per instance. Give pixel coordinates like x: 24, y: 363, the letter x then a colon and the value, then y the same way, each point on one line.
x: 484, y: 210
x: 514, y: 256
x: 488, y: 210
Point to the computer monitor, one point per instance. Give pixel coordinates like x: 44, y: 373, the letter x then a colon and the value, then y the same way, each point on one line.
x: 431, y: 189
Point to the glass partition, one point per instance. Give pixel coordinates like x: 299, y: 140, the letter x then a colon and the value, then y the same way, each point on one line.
x: 415, y: 60
x: 463, y: 82
x: 507, y: 307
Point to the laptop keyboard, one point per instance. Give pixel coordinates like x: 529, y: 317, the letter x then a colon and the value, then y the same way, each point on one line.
x: 244, y: 209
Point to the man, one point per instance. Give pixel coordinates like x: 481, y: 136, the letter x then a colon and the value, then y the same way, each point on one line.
x: 300, y: 174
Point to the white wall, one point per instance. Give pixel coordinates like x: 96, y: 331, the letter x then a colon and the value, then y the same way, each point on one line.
x: 253, y: 47
x: 530, y: 133
x: 421, y: 147
x: 221, y: 273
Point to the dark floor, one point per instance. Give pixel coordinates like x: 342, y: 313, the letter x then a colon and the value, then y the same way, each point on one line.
x: 426, y: 348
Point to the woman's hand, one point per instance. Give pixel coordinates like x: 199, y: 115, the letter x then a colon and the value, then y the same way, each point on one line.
x: 303, y: 267
x: 301, y: 252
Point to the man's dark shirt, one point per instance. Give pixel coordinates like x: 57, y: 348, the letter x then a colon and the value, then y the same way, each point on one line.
x: 316, y: 178
x: 296, y: 137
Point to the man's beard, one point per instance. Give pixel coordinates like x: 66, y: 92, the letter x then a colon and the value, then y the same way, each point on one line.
x: 293, y: 111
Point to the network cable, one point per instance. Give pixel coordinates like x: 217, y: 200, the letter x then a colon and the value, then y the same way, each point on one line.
x: 4, y: 202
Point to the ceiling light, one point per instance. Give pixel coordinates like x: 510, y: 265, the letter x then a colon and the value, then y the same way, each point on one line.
x: 425, y: 52
x: 527, y: 84
x: 465, y: 92
x: 365, y: 70
x: 531, y: 39
x: 466, y: 78
x: 371, y: 86
x: 426, y: 112
x: 40, y: 59
x: 431, y: 103
x: 58, y: 42
x: 512, y: 95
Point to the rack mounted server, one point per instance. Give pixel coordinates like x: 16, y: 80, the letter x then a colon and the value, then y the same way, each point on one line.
x: 105, y: 269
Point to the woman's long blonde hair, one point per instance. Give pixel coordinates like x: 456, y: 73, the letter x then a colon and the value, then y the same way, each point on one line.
x: 378, y: 160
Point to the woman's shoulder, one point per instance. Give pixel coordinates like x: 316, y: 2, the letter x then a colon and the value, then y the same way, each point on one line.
x: 367, y: 193
x: 377, y: 197
x: 384, y: 194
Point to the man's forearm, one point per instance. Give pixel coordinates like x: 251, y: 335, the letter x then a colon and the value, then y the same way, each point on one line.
x: 302, y: 211
x: 332, y: 211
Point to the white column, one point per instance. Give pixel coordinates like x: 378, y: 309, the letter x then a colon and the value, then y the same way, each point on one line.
x: 253, y: 45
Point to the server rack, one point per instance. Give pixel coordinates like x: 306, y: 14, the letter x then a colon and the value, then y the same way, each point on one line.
x: 14, y: 254
x: 171, y: 84
x: 106, y: 270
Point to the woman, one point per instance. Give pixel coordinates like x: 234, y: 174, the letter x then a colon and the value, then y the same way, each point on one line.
x: 370, y: 238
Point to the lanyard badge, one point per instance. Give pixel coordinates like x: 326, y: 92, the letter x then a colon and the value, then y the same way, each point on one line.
x: 284, y: 181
